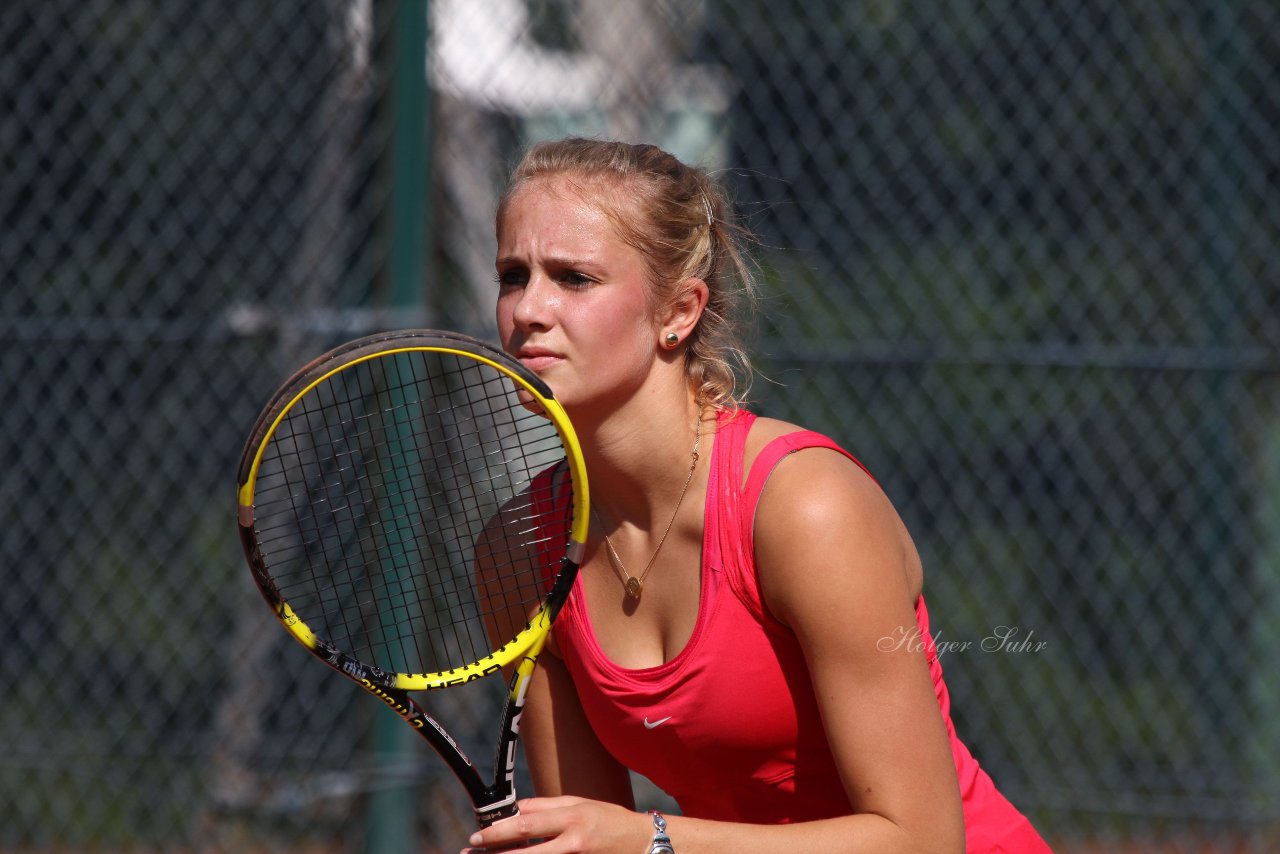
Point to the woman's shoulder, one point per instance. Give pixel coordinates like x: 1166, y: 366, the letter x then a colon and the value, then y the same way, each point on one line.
x: 825, y: 498
x: 794, y: 474
x: 763, y: 431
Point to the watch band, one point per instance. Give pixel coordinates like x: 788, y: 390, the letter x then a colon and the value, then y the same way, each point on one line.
x: 661, y: 842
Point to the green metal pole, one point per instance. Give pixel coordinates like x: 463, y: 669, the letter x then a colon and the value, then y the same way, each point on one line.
x: 394, y: 802
x: 409, y: 153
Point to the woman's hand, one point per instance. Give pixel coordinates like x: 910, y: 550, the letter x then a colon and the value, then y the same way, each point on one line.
x: 567, y: 825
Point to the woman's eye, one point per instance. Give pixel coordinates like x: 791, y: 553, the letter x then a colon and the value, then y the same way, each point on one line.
x: 507, y: 278
x: 575, y: 280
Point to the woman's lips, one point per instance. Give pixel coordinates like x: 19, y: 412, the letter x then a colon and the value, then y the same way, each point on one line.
x: 538, y: 360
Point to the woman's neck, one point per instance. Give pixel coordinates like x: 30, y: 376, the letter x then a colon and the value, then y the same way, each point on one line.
x: 639, y: 461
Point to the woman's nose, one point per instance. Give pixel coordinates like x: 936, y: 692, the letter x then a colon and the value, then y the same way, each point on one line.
x: 532, y: 304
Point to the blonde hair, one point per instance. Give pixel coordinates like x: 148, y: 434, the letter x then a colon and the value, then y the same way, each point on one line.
x: 681, y: 222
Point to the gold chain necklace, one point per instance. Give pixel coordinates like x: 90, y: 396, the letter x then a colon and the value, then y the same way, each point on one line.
x: 633, y: 585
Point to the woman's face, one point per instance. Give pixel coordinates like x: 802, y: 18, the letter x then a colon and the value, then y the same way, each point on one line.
x: 573, y: 298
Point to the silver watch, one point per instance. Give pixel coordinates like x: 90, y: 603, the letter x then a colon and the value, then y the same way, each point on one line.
x: 661, y: 842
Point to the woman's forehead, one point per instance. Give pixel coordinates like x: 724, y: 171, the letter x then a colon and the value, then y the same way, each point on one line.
x: 595, y: 196
x: 558, y: 219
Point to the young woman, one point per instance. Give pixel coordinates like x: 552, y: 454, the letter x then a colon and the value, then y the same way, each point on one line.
x: 735, y: 632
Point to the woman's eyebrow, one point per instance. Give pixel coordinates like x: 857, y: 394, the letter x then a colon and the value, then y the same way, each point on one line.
x: 554, y: 261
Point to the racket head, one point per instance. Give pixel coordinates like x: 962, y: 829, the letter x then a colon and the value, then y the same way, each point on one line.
x: 387, y: 507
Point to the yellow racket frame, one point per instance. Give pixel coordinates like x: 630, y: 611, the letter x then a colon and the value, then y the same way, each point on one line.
x: 528, y: 641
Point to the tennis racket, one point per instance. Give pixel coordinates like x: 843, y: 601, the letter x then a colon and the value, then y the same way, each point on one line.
x: 413, y: 507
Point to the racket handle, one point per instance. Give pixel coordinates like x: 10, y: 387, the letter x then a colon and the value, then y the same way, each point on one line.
x: 493, y: 815
x: 508, y: 814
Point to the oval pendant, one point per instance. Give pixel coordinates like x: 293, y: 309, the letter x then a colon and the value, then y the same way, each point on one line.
x: 633, y: 588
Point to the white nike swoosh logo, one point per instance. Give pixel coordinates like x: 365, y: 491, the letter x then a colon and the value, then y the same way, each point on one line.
x: 659, y: 722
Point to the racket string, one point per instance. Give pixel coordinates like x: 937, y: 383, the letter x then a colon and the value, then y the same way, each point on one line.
x: 374, y: 493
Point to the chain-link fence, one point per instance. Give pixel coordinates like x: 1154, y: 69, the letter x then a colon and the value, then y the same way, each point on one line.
x: 1023, y: 258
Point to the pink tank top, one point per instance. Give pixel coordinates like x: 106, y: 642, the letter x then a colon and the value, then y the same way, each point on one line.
x: 729, y: 727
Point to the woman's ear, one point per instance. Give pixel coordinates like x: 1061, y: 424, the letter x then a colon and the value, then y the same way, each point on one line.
x: 684, y: 311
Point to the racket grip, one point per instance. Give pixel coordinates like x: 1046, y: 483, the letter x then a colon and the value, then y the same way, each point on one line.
x: 507, y: 815
x: 493, y: 815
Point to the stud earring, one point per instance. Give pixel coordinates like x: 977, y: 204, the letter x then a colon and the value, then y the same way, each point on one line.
x: 671, y: 339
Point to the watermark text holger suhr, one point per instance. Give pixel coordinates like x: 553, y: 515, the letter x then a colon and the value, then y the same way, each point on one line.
x: 1004, y: 639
